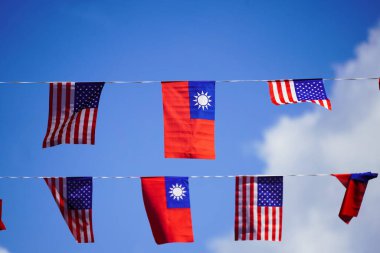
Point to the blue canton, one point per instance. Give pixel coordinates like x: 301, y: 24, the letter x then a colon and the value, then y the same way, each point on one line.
x: 79, y: 192
x: 173, y: 200
x: 205, y: 109
x: 310, y: 89
x: 270, y: 191
x: 87, y: 95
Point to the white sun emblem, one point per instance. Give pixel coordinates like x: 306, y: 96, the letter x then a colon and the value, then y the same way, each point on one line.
x: 202, y: 100
x: 177, y: 192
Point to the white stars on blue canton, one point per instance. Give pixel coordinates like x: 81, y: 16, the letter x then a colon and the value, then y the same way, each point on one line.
x: 270, y: 190
x: 79, y: 192
x: 87, y: 95
x: 310, y: 89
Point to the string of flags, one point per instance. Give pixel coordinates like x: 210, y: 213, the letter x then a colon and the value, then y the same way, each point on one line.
x: 188, y: 110
x: 216, y: 81
x: 189, y: 123
x: 258, y: 205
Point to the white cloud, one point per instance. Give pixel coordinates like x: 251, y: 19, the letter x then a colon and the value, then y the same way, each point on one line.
x: 3, y: 250
x: 344, y: 140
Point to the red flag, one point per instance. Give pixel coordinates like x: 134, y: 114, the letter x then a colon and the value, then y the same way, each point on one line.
x: 167, y: 204
x: 189, y: 114
x: 356, y: 185
x: 2, y: 226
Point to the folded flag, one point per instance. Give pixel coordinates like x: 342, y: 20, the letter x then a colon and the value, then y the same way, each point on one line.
x: 298, y: 91
x: 167, y: 204
x: 189, y: 114
x: 73, y: 110
x: 2, y: 226
x: 258, y: 208
x: 356, y: 185
x: 73, y: 196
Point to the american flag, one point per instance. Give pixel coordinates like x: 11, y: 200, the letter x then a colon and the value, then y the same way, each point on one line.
x: 258, y: 208
x: 2, y: 226
x: 73, y: 196
x: 298, y: 91
x: 73, y: 109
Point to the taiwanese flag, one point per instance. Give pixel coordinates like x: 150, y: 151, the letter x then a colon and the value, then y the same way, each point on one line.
x: 2, y: 226
x: 189, y: 114
x: 167, y: 204
x: 356, y: 185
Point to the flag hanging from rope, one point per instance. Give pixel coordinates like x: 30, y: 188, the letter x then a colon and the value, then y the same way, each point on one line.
x: 167, y: 204
x: 356, y: 185
x: 2, y: 226
x: 258, y: 208
x: 73, y: 110
x: 189, y: 115
x: 73, y: 196
x: 298, y: 91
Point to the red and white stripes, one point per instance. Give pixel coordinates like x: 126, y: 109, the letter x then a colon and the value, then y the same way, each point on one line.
x: 64, y: 124
x: 253, y: 222
x: 283, y: 92
x: 79, y: 221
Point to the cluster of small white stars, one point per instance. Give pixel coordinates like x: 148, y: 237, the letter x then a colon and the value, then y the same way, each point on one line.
x: 270, y: 191
x: 79, y: 193
x: 87, y: 95
x: 309, y: 90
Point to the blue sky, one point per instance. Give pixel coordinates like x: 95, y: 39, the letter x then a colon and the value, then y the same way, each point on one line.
x: 153, y: 40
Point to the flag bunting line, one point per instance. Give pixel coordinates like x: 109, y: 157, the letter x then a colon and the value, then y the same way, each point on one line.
x: 195, y: 177
x: 218, y: 81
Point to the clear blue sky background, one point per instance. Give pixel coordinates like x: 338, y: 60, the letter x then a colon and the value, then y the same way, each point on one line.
x: 151, y: 40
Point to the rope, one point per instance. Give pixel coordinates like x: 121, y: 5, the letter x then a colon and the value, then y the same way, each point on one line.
x: 195, y: 177
x: 218, y: 81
